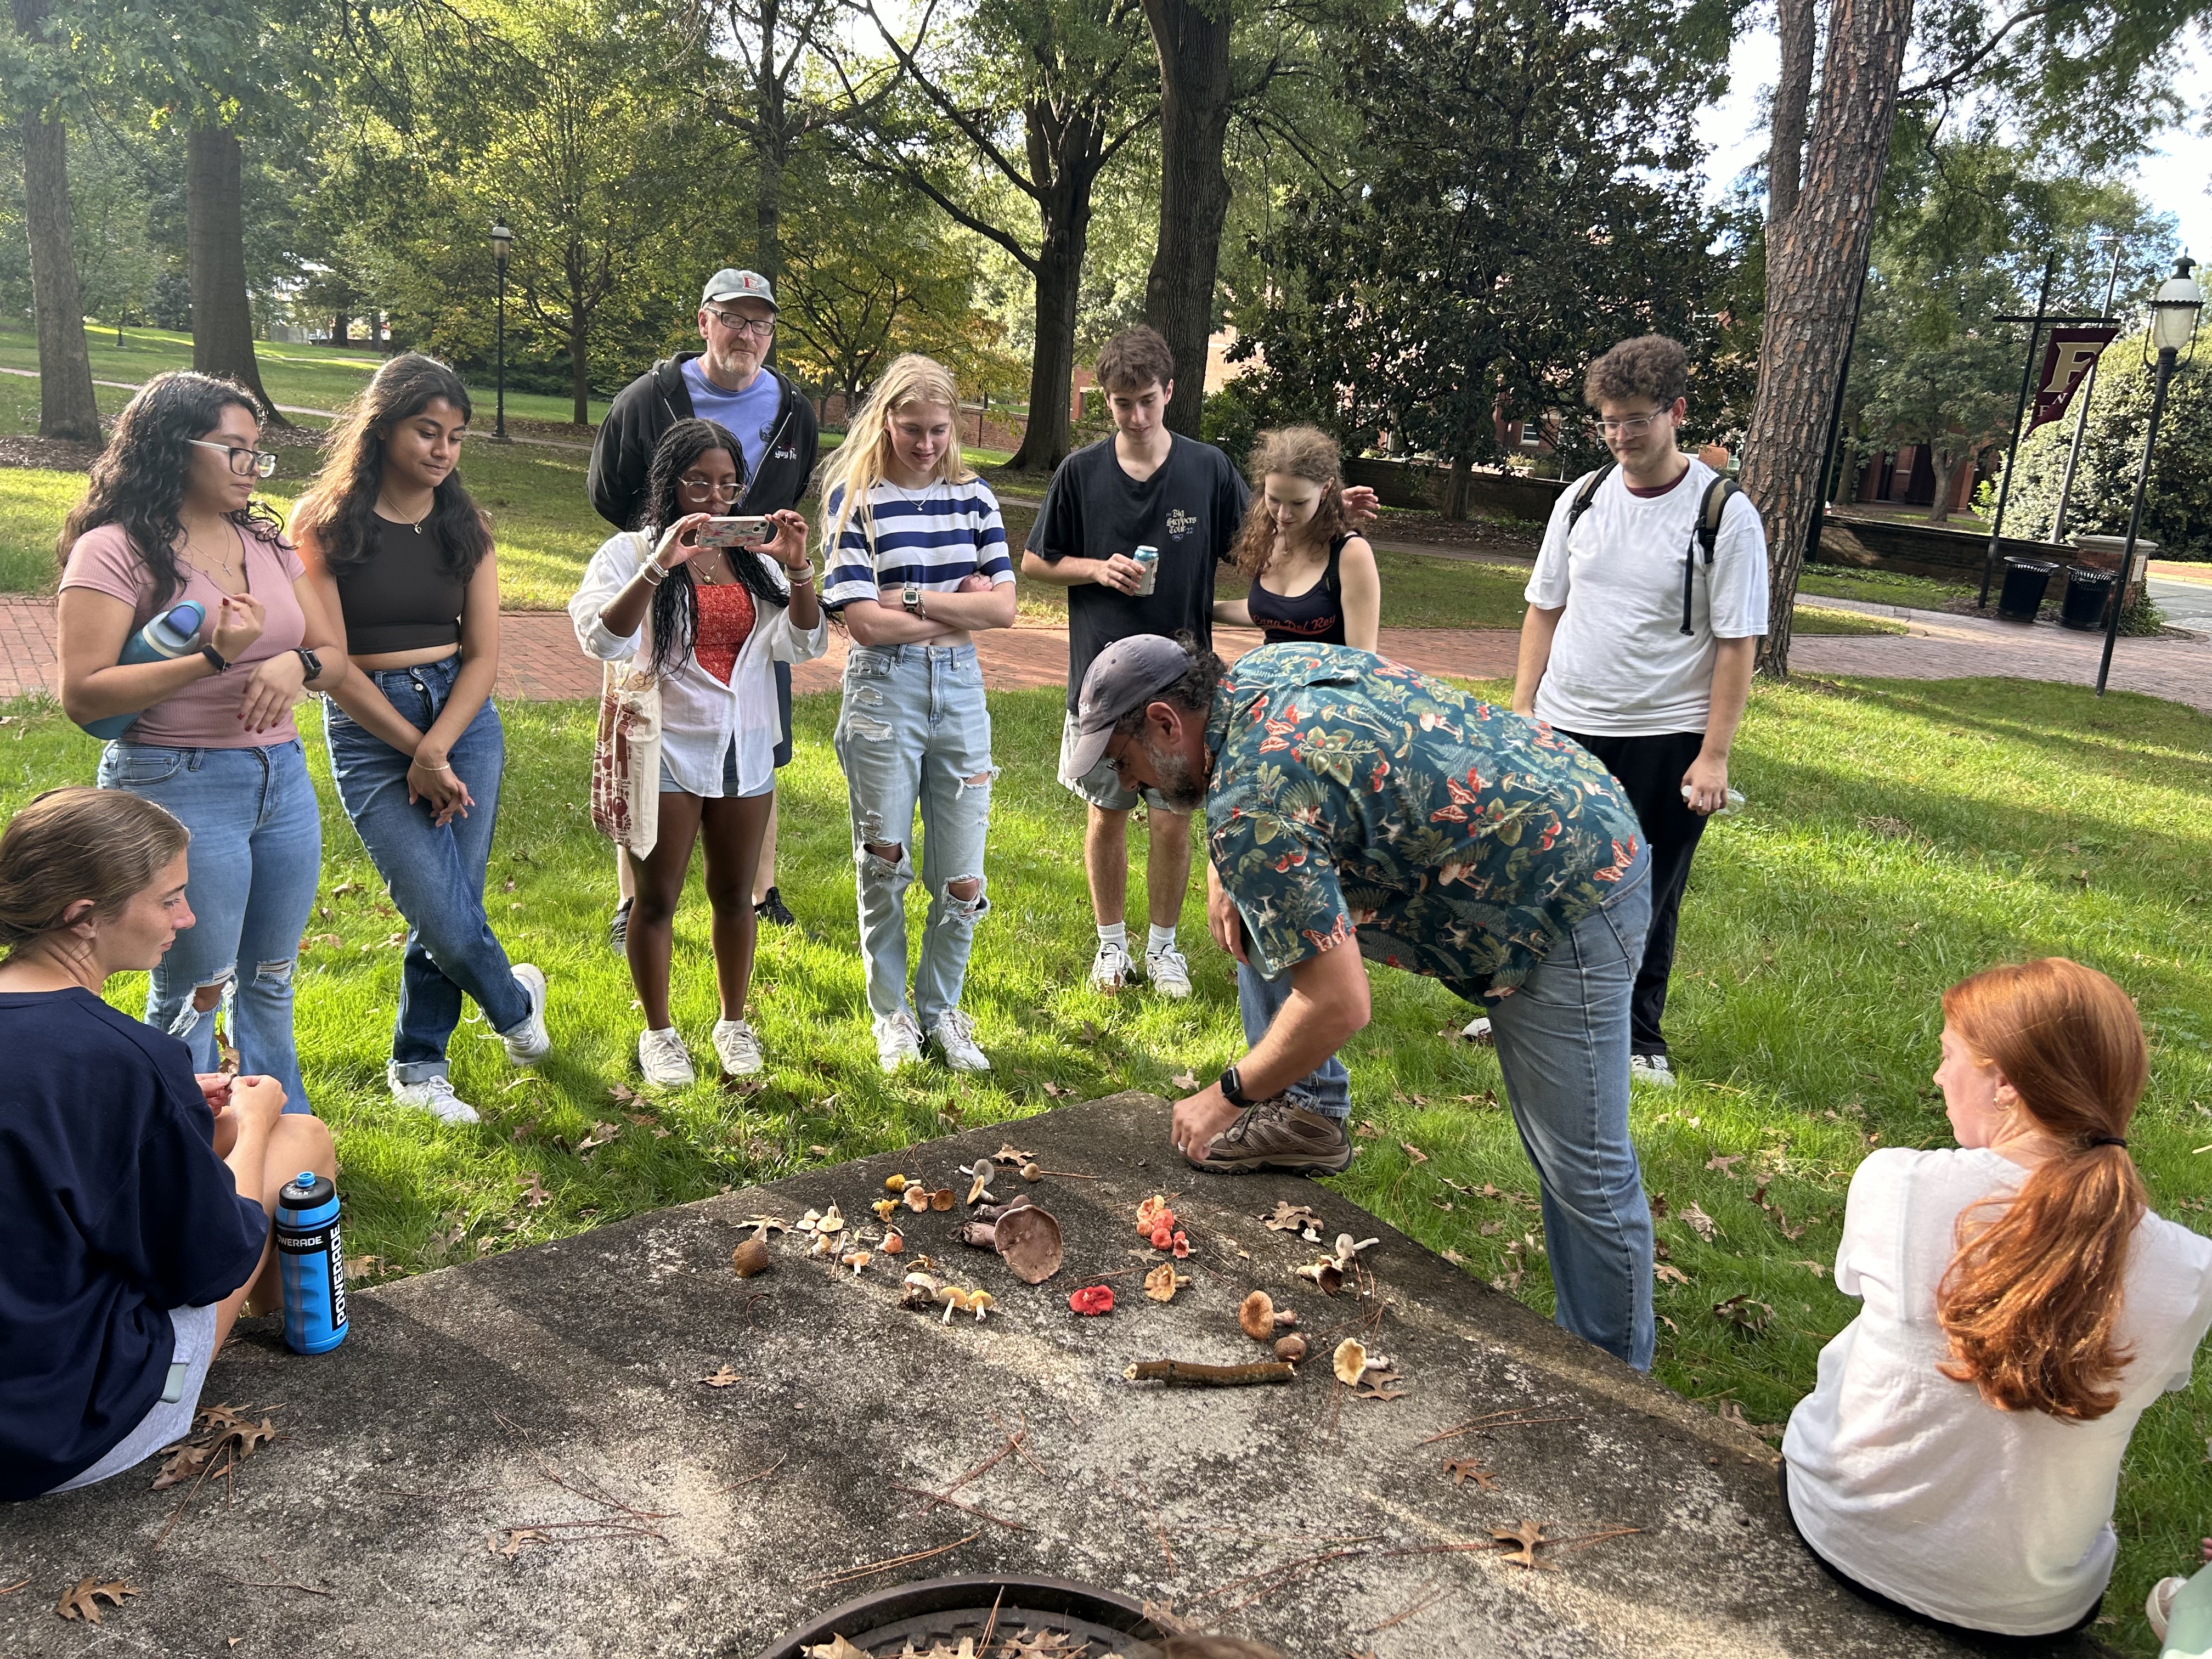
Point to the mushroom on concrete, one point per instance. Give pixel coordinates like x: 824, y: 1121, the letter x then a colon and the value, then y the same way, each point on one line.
x: 1349, y: 1360
x: 918, y: 1291
x: 1259, y: 1319
x: 979, y: 1304
x: 1292, y: 1347
x: 984, y: 1170
x: 750, y: 1257
x: 856, y: 1260
x: 915, y: 1198
x: 1027, y: 1239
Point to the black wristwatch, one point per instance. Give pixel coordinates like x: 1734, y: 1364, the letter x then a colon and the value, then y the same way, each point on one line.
x: 214, y: 657
x: 309, y: 660
x: 1232, y: 1089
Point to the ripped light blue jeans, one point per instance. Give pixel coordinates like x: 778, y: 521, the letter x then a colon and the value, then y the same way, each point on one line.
x: 256, y: 855
x: 914, y: 733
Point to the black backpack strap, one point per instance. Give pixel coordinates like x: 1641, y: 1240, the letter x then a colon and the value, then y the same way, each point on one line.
x: 1587, y: 493
x: 1711, y: 512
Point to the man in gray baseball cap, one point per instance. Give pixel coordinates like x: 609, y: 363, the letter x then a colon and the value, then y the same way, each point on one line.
x: 730, y: 384
x: 1350, y: 802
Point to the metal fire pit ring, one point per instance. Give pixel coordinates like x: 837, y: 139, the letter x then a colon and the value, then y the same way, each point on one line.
x: 947, y: 1610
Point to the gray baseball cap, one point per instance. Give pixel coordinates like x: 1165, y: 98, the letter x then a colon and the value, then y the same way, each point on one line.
x: 1126, y: 675
x: 739, y: 285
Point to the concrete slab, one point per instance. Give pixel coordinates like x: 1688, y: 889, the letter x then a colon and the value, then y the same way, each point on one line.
x: 520, y: 1391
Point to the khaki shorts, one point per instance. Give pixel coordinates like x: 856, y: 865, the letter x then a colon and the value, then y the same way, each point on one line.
x: 1101, y: 785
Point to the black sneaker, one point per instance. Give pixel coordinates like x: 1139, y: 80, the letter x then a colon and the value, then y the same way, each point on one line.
x: 618, y: 926
x: 1279, y: 1134
x: 773, y: 909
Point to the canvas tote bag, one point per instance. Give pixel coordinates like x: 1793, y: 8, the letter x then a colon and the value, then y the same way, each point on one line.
x: 626, y: 748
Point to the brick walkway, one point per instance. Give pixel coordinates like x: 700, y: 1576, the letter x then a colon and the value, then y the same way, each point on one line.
x: 538, y: 658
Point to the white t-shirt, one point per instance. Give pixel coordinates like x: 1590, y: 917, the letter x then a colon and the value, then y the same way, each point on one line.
x: 1911, y: 1483
x: 1620, y: 666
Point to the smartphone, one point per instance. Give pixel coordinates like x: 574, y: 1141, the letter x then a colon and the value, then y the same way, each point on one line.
x: 734, y: 532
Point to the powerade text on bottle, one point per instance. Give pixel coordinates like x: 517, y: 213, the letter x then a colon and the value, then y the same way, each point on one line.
x: 310, y: 1262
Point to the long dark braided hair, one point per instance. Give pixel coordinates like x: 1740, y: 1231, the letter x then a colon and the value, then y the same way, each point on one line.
x: 138, y: 482
x: 675, y: 601
x: 340, y: 511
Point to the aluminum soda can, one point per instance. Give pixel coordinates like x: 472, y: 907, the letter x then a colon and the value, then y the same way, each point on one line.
x: 1149, y: 557
x: 311, y: 1264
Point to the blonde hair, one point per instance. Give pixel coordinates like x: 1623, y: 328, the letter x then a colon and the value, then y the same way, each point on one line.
x: 857, y: 465
x: 1295, y: 451
x: 79, y: 843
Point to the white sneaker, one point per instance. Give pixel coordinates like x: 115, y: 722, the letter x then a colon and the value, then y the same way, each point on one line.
x: 955, y: 1038
x: 737, y: 1049
x: 434, y: 1095
x: 1652, y: 1069
x: 662, y: 1060
x: 1169, y: 973
x: 528, y: 1043
x: 2158, y: 1606
x: 1110, y: 969
x: 898, y: 1040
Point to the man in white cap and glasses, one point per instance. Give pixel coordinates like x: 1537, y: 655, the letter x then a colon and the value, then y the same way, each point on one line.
x: 730, y: 384
x: 1351, y: 802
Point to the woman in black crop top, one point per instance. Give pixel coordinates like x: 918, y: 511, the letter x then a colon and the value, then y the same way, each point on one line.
x: 404, y: 561
x: 1313, y: 581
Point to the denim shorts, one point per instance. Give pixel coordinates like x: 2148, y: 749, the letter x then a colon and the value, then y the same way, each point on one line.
x: 730, y: 791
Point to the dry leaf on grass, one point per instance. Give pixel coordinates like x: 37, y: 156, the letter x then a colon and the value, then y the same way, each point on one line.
x: 601, y: 1134
x: 1185, y: 1081
x: 1413, y: 1151
x: 532, y: 1191
x: 1669, y: 1275
x: 1750, y: 1317
x: 1818, y: 1269
x: 1704, y: 1223
x: 82, y: 1600
x: 1725, y: 1165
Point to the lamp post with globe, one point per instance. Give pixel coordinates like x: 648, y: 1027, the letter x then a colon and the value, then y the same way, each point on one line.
x: 2173, y: 310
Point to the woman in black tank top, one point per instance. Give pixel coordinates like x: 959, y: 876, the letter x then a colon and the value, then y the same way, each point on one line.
x: 1313, y: 581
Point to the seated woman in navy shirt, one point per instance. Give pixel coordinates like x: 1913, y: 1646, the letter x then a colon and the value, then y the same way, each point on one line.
x: 135, y: 1198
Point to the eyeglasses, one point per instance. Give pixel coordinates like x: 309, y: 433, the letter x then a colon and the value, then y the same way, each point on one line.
x: 1120, y: 762
x: 737, y: 323
x: 1629, y: 426
x: 258, y: 463
x: 726, y: 492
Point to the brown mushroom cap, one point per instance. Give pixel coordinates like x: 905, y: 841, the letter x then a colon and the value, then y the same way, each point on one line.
x: 750, y: 1258
x: 915, y: 1198
x: 1028, y: 1239
x: 1293, y: 1348
x: 942, y: 1199
x: 1256, y: 1318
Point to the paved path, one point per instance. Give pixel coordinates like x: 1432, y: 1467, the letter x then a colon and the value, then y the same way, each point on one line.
x: 539, y: 658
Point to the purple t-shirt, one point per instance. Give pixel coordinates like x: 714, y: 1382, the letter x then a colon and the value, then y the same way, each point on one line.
x: 205, y: 715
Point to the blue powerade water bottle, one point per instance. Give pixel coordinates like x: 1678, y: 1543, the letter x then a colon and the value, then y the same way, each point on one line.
x: 312, y: 1264
x: 169, y: 636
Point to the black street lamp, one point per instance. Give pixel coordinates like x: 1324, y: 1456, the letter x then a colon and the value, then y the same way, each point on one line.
x: 502, y: 239
x: 2173, y: 310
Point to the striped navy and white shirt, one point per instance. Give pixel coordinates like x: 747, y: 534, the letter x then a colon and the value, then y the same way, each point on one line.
x: 933, y: 539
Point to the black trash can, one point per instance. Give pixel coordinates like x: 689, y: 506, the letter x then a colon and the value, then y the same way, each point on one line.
x: 2025, y: 580
x: 2088, y: 592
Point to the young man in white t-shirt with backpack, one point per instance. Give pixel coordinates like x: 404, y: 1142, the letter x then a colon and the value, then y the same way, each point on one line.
x: 1645, y: 611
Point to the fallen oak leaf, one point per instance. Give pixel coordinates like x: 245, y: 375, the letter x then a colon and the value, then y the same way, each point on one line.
x: 1186, y: 1082
x: 1464, y: 1469
x: 1526, y: 1537
x: 1668, y: 1275
x: 601, y: 1134
x: 1009, y: 1153
x: 1413, y: 1151
x: 1289, y: 1218
x: 1725, y: 1165
x: 722, y: 1378
x: 82, y: 1600
x: 517, y: 1539
x: 1703, y: 1224
x: 1818, y: 1269
x: 836, y: 1648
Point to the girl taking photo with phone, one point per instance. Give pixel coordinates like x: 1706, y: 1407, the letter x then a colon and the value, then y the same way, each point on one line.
x: 689, y: 728
x: 403, y: 561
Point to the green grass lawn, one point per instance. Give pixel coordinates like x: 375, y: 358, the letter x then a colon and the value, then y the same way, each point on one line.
x: 1897, y: 835
x: 307, y: 376
x: 1835, y: 582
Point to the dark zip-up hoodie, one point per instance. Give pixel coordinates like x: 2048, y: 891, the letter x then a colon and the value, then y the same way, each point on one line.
x: 622, y: 455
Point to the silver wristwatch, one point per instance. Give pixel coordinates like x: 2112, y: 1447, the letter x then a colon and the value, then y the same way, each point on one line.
x: 914, y: 601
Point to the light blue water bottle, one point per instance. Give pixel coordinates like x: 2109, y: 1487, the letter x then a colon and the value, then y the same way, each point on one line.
x: 311, y: 1264
x: 169, y: 636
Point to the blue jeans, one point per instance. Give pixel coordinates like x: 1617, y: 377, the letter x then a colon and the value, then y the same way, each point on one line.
x: 1563, y: 1044
x: 1328, y: 1088
x: 913, y: 732
x: 436, y: 876
x: 256, y: 855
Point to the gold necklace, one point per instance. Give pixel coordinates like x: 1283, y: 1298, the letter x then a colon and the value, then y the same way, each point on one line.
x: 415, y: 525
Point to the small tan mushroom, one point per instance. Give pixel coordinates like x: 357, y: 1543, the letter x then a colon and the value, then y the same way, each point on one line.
x: 955, y: 1301
x: 808, y: 1222
x: 832, y: 1221
x: 894, y: 1241
x: 1293, y: 1348
x: 1256, y: 1318
x: 1324, y: 1273
x: 983, y: 1171
x: 1349, y: 1360
x: 918, y: 1291
x: 1032, y: 1172
x: 856, y: 1260
x: 824, y: 1244
x: 943, y: 1198
x: 916, y: 1199
x: 1164, y: 1281
x: 750, y: 1258
x: 979, y: 1304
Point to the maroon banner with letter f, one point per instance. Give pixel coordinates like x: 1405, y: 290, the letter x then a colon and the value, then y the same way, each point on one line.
x: 2066, y: 359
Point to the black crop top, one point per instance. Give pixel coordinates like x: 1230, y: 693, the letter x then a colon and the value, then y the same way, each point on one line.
x: 1315, y: 616
x: 401, y: 598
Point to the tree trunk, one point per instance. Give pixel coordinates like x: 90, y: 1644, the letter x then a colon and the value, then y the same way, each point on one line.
x: 1946, y: 466
x: 1814, y: 259
x: 66, y: 408
x: 338, y: 328
x: 1793, y: 95
x: 1192, y: 37
x: 1067, y: 161
x: 1455, y: 506
x: 222, y: 318
x: 580, y: 369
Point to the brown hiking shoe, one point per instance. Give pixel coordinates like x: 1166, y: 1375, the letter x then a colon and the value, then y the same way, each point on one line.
x: 1279, y: 1134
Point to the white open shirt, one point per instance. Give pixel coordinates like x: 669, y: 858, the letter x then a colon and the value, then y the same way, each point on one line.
x: 701, y: 718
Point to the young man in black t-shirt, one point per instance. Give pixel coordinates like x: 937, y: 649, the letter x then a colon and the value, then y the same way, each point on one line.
x: 1143, y: 487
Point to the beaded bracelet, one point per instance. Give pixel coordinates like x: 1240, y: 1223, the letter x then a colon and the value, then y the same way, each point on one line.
x: 653, y: 573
